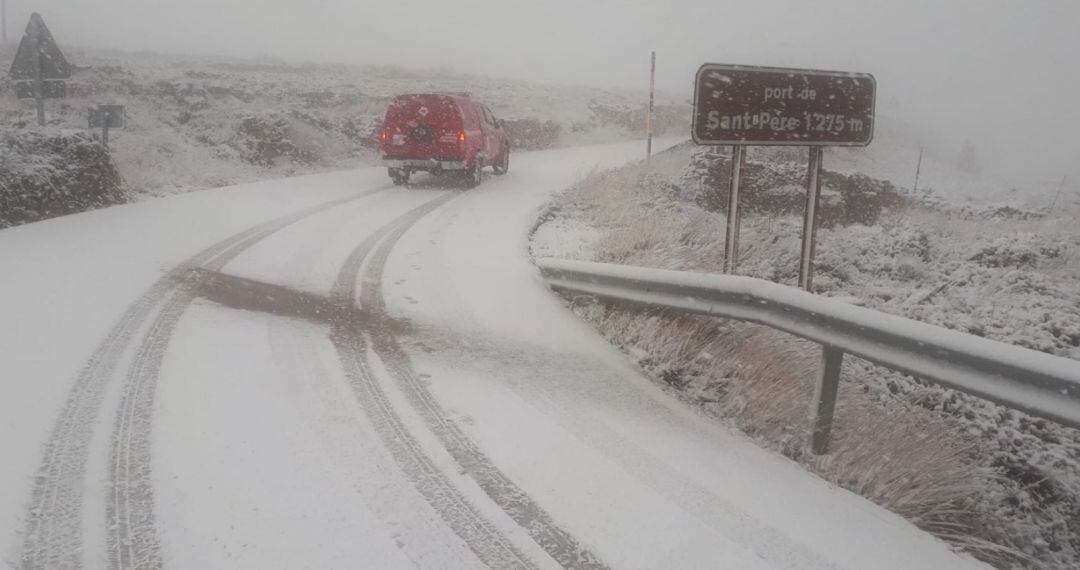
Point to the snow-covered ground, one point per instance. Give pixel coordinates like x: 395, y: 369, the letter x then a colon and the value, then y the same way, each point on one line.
x: 325, y: 371
x: 972, y: 254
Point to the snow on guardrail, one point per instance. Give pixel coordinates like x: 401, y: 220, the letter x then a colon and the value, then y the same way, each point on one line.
x: 1036, y: 383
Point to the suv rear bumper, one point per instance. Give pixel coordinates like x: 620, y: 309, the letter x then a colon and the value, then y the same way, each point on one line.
x: 425, y: 164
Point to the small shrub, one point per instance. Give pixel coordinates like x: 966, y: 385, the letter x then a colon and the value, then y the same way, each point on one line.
x: 267, y: 141
x: 1007, y: 252
x: 532, y: 134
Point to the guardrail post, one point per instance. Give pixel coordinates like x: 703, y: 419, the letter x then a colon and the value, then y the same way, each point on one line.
x: 825, y: 397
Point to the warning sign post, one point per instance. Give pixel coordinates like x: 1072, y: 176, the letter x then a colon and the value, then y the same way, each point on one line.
x: 39, y: 68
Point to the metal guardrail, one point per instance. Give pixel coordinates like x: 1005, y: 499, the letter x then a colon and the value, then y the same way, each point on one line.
x: 1033, y: 382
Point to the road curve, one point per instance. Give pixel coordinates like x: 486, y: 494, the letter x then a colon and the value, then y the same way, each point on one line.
x: 348, y: 374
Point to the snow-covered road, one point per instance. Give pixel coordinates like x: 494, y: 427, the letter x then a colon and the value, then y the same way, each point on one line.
x: 328, y: 372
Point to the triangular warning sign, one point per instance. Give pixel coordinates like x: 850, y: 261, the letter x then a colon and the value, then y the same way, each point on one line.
x: 39, y: 48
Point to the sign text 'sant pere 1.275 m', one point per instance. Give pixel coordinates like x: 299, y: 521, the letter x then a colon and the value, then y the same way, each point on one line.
x: 748, y: 105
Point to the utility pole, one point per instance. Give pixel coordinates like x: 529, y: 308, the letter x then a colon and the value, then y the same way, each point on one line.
x: 918, y: 168
x: 1057, y: 195
x: 652, y: 97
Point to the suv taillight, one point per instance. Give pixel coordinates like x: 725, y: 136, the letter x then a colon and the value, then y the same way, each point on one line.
x: 384, y: 135
x: 451, y: 136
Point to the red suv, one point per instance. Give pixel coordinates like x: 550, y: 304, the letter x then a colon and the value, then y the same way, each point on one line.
x: 439, y: 133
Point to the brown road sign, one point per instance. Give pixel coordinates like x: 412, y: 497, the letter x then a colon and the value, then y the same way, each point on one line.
x: 747, y: 105
x: 38, y: 56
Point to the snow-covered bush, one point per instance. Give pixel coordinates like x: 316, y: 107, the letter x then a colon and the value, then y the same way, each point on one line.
x: 776, y: 187
x: 53, y: 173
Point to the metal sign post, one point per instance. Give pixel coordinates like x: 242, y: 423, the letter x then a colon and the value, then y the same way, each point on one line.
x: 39, y: 66
x: 742, y: 105
x: 813, y: 200
x: 39, y: 89
x: 652, y: 98
x: 731, y: 240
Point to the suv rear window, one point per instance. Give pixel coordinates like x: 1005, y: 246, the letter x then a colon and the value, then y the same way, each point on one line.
x: 436, y: 111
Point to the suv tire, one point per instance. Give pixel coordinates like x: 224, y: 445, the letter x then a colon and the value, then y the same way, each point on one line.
x: 473, y: 176
x: 399, y: 176
x: 503, y: 166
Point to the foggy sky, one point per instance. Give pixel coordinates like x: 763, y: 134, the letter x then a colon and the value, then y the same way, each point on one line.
x: 1003, y: 74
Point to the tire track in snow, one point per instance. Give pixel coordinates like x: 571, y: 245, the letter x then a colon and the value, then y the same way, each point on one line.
x: 52, y: 537
x: 132, y: 538
x: 560, y: 545
x: 482, y: 537
x: 417, y: 529
x: 564, y: 398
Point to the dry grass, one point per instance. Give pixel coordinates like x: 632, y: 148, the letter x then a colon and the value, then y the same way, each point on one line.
x: 900, y: 456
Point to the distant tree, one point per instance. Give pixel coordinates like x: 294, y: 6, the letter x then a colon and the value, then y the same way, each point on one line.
x: 968, y: 161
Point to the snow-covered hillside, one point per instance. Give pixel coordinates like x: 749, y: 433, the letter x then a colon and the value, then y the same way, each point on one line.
x: 947, y: 179
x: 206, y: 122
x: 1001, y: 264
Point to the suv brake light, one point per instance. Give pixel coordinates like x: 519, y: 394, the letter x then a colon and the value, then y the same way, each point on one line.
x: 384, y: 135
x: 449, y: 137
